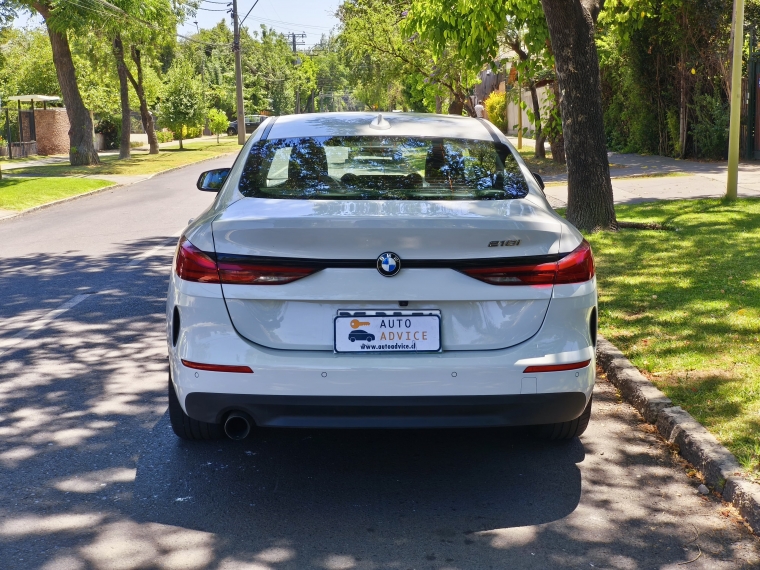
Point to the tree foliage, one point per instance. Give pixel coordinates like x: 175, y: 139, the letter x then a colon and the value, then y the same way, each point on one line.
x: 665, y: 76
x: 217, y: 122
x: 389, y: 62
x: 181, y: 102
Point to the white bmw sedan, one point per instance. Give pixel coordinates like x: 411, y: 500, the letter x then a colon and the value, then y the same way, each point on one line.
x: 361, y: 271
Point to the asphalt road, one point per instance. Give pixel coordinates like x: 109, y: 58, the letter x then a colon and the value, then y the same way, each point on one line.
x: 91, y: 476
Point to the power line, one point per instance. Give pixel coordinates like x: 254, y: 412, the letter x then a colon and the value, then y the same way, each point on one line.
x: 213, y: 9
x: 292, y: 24
x: 249, y: 11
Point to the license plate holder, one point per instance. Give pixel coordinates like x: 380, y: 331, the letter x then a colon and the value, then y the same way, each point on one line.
x: 379, y: 331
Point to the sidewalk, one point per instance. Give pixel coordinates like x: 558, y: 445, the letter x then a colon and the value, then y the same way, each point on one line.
x: 638, y: 178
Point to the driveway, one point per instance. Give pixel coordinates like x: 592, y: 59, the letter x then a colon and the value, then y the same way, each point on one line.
x: 91, y: 476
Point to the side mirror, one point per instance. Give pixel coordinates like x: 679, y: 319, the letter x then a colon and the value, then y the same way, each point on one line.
x: 538, y: 179
x: 212, y: 180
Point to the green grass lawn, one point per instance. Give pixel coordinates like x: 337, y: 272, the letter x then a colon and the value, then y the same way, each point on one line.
x: 684, y: 307
x: 141, y: 162
x: 23, y: 193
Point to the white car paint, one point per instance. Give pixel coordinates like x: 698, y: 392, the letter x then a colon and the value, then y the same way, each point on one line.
x: 283, y: 332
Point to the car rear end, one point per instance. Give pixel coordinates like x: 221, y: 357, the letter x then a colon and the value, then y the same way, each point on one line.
x: 411, y: 275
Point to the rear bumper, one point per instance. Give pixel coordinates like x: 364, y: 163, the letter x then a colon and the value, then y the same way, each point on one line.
x: 390, y: 411
x: 321, y: 388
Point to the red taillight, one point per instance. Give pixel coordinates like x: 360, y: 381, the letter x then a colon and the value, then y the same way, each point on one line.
x: 194, y: 265
x: 218, y: 367
x: 557, y: 367
x: 241, y: 273
x: 575, y: 267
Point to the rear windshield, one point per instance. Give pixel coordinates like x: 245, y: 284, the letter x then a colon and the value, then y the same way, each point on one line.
x: 381, y: 168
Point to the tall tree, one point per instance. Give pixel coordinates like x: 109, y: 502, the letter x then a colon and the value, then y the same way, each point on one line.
x: 129, y: 24
x: 182, y: 99
x: 125, y: 148
x: 374, y: 40
x: 571, y: 25
x: 81, y: 140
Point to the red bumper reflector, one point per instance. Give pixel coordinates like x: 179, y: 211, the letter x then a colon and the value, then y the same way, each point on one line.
x: 218, y: 367
x: 558, y: 367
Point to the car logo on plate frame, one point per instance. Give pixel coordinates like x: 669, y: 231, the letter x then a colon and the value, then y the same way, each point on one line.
x: 388, y: 264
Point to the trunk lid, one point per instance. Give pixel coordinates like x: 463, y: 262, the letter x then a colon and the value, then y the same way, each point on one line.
x: 348, y: 236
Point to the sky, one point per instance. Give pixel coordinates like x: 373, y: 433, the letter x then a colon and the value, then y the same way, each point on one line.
x: 312, y: 17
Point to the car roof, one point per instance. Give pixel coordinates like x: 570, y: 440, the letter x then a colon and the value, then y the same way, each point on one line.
x: 357, y: 124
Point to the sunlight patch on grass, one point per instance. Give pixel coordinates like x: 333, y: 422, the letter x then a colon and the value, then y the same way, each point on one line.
x: 684, y: 306
x: 23, y: 193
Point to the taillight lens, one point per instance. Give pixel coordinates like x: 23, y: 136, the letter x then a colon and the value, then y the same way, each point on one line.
x: 194, y: 265
x: 251, y: 274
x: 575, y: 267
x: 557, y: 367
x: 218, y: 367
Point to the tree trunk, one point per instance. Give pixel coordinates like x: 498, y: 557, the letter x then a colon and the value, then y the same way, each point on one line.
x: 683, y: 108
x: 540, y: 151
x: 180, y: 137
x: 541, y: 146
x: 557, y: 144
x: 571, y: 25
x: 147, y: 118
x: 125, y: 151
x: 456, y: 106
x: 438, y: 104
x: 81, y: 140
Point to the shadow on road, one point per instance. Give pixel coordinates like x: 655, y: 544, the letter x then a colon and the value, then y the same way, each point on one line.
x: 91, y: 476
x: 378, y: 484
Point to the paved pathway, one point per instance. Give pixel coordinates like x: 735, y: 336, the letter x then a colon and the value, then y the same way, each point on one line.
x: 91, y: 476
x: 637, y: 178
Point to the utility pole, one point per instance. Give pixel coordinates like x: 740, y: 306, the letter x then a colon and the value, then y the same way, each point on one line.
x: 203, y: 80
x: 736, y: 96
x: 296, y: 40
x: 238, y: 74
x: 519, y: 112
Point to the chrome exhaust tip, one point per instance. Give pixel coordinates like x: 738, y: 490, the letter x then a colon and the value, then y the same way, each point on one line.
x: 237, y: 426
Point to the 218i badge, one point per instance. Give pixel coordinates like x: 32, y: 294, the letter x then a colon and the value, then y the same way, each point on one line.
x: 388, y: 264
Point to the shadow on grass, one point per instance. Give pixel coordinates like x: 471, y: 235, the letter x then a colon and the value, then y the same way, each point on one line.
x: 678, y: 302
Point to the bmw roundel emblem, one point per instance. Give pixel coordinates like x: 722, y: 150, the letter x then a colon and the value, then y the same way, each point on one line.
x: 388, y: 264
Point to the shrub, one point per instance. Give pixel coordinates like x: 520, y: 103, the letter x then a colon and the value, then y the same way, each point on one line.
x: 111, y: 131
x: 710, y: 129
x: 164, y: 136
x: 494, y: 105
x: 188, y: 133
x: 191, y: 132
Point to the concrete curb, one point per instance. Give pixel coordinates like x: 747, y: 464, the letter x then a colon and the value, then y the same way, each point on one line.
x: 105, y: 188
x: 695, y: 444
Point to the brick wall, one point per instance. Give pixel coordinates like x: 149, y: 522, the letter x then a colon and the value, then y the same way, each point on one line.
x: 26, y: 125
x: 52, y: 126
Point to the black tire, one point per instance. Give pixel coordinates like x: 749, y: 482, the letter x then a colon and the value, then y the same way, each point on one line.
x: 352, y: 339
x: 568, y: 430
x: 186, y: 427
x: 231, y: 132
